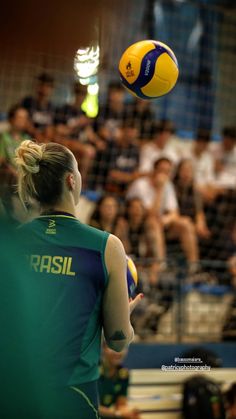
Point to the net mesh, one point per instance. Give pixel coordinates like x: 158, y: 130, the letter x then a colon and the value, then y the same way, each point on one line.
x: 203, y: 37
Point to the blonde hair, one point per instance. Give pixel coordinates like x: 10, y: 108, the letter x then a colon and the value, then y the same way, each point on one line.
x: 41, y: 168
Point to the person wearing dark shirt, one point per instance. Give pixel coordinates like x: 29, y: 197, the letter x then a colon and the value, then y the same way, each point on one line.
x: 113, y: 113
x: 39, y: 106
x: 71, y: 120
x: 117, y: 165
x: 71, y: 114
x: 189, y: 199
x: 123, y: 159
x: 143, y: 239
x: 142, y: 115
x: 106, y: 215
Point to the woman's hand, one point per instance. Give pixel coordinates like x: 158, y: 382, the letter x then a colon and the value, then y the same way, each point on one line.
x: 134, y: 302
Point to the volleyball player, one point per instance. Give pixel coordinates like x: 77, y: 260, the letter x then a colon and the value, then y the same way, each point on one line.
x: 79, y: 277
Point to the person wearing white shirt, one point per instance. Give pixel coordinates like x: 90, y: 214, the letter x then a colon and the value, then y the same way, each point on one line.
x: 203, y: 165
x: 202, y: 159
x: 158, y: 195
x: 224, y: 154
x: 159, y: 147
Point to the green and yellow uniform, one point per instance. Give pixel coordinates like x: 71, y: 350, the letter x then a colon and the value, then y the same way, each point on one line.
x: 8, y: 146
x: 69, y: 277
x: 112, y: 387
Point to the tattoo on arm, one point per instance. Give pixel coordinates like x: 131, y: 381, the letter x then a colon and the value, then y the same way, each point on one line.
x: 118, y: 335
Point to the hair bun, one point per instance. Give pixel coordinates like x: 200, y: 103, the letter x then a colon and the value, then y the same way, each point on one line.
x: 28, y: 156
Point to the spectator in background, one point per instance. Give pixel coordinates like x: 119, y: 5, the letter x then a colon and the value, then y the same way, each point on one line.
x: 84, y: 152
x: 106, y: 216
x: 71, y: 120
x: 113, y: 386
x: 71, y: 114
x: 18, y: 119
x: 142, y: 115
x: 203, y: 164
x: 122, y: 158
x: 189, y: 199
x: 117, y: 165
x: 106, y: 126
x: 143, y: 239
x: 158, y: 147
x: 39, y: 106
x: 224, y: 154
x: 113, y: 113
x: 158, y: 196
x: 219, y: 202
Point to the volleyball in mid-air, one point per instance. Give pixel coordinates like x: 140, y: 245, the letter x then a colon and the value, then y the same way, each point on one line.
x: 148, y: 69
x: 132, y: 277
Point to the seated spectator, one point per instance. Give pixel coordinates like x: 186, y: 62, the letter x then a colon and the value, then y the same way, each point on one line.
x: 122, y: 159
x: 224, y: 154
x: 188, y: 197
x: 158, y: 196
x: 112, y: 115
x: 71, y: 114
x: 74, y: 118
x: 18, y: 119
x: 106, y: 216
x: 143, y: 239
x: 220, y: 214
x: 107, y: 126
x: 113, y: 386
x: 39, y: 106
x: 203, y: 164
x: 84, y: 152
x: 142, y: 115
x: 158, y: 147
x: 219, y: 202
x: 10, y: 139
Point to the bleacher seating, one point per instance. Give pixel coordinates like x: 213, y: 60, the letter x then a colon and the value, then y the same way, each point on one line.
x: 158, y: 394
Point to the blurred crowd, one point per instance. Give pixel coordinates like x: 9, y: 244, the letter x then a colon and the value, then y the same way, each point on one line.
x: 155, y: 191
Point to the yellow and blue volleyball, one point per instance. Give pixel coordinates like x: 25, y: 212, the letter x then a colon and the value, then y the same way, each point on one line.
x: 132, y: 277
x: 148, y: 69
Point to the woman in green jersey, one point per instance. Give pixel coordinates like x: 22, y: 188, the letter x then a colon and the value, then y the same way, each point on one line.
x: 78, y: 281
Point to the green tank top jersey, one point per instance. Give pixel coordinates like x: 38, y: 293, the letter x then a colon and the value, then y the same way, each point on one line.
x: 67, y: 277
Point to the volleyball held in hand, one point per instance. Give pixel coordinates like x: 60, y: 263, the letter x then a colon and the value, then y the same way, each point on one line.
x: 148, y: 69
x: 132, y: 277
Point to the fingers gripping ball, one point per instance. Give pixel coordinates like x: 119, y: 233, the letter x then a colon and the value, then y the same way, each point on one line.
x: 148, y: 69
x: 132, y: 277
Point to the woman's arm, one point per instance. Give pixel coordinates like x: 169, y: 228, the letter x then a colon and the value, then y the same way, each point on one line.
x: 117, y: 328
